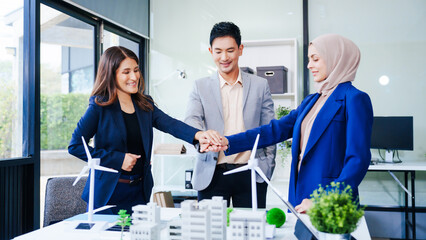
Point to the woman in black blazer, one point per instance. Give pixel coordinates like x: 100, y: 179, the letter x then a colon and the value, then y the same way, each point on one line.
x: 121, y: 118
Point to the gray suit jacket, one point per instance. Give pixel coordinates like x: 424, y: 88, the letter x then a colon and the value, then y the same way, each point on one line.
x: 205, y: 112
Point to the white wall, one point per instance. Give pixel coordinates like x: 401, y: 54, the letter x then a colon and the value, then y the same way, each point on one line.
x: 180, y: 33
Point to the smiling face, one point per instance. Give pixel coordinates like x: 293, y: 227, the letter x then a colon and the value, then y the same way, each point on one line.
x: 226, y: 52
x: 316, y: 64
x: 128, y: 76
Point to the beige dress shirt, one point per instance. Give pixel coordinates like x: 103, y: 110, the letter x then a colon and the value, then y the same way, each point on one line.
x: 232, y: 106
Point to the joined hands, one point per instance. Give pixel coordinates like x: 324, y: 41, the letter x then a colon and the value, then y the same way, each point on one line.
x: 211, y: 141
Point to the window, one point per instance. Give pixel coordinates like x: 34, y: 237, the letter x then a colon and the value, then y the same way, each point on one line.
x: 112, y: 39
x: 11, y: 78
x: 67, y: 66
x: 66, y: 80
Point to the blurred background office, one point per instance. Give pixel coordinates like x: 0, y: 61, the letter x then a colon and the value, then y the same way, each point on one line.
x: 49, y: 52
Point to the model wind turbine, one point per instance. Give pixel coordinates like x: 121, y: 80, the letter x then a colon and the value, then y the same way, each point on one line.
x: 92, y: 164
x: 253, y: 166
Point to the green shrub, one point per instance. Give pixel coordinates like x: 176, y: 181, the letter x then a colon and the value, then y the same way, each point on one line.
x: 282, y: 111
x: 334, y: 210
x: 7, y: 116
x: 284, y: 148
x: 59, y: 115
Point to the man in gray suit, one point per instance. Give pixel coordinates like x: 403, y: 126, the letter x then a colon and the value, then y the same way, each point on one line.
x: 230, y: 101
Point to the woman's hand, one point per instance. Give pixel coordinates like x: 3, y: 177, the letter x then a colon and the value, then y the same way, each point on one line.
x: 206, y: 146
x: 208, y: 138
x: 211, y: 135
x: 129, y: 161
x: 304, y: 206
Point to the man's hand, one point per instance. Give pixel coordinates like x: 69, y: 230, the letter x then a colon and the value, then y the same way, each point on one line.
x: 304, y: 206
x: 206, y: 146
x: 211, y: 135
x: 211, y: 141
x: 129, y: 161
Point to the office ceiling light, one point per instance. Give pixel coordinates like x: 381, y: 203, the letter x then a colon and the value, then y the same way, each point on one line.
x: 384, y: 80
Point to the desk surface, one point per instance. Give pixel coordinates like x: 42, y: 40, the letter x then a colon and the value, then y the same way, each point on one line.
x: 404, y: 166
x: 63, y: 230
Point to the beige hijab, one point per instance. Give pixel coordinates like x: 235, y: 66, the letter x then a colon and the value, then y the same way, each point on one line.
x: 342, y: 58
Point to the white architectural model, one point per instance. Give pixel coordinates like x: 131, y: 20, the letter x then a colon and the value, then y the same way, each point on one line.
x: 195, y: 221
x: 246, y: 225
x: 145, y: 222
x: 174, y: 228
x: 217, y: 207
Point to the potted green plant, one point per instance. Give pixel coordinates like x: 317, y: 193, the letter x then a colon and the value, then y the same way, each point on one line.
x: 334, y: 213
x: 284, y: 148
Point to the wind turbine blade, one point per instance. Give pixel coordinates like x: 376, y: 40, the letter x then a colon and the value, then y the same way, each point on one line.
x: 97, y: 167
x: 262, y: 175
x: 89, y: 157
x: 253, y: 151
x: 240, y: 169
x: 83, y: 171
x: 288, y: 204
x: 103, y: 208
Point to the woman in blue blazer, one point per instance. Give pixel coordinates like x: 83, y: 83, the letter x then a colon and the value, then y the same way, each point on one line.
x: 121, y: 118
x: 331, y: 129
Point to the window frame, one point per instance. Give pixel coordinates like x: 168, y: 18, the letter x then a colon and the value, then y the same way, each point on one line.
x: 27, y: 216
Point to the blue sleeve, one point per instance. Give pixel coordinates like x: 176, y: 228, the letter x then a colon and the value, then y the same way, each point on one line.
x: 176, y: 128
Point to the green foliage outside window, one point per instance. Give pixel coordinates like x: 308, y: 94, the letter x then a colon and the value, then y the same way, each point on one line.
x: 7, y: 115
x: 59, y: 115
x: 334, y: 210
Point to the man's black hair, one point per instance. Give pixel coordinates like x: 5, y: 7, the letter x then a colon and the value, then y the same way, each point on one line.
x: 224, y: 29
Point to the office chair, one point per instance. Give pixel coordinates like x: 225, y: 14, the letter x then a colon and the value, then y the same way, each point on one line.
x: 63, y: 200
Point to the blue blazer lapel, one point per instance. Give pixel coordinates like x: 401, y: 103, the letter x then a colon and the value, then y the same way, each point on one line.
x: 119, y: 121
x: 298, y: 123
x: 326, y: 115
x: 215, y: 88
x: 296, y: 131
x: 145, y: 126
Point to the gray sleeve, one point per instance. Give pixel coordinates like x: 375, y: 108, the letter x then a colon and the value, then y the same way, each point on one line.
x: 195, y: 111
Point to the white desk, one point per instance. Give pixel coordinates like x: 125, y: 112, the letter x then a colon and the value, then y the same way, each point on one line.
x: 410, y: 167
x: 62, y: 229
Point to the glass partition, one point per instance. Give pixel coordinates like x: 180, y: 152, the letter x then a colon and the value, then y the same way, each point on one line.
x: 11, y: 78
x: 112, y: 39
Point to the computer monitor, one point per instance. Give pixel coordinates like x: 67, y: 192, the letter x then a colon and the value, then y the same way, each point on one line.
x: 392, y: 133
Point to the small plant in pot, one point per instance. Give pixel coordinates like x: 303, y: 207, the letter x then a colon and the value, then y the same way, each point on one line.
x: 284, y: 148
x: 334, y: 213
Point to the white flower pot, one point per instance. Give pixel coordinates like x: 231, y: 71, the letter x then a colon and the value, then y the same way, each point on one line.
x: 333, y: 236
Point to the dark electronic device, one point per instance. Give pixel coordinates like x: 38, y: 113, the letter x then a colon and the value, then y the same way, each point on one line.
x: 392, y: 133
